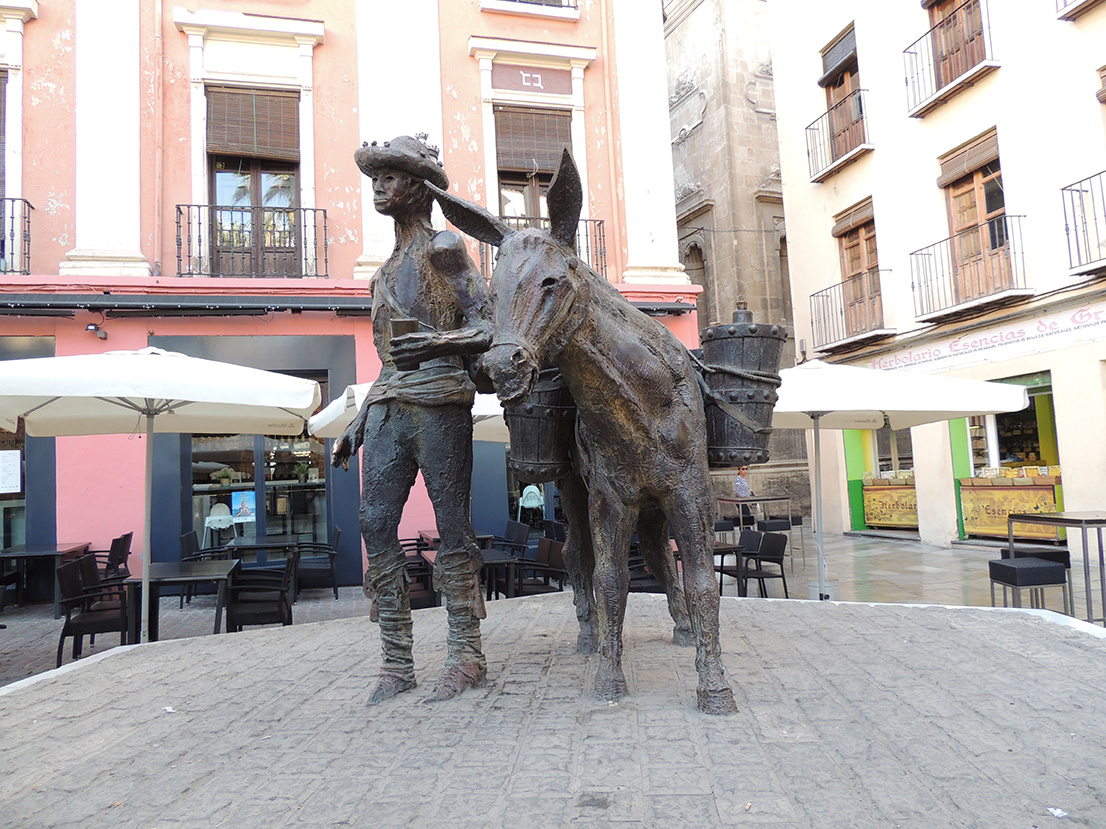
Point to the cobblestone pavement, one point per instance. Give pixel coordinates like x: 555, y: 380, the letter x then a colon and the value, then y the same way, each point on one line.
x: 850, y: 715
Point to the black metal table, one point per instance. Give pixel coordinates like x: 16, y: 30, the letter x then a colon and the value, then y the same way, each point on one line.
x: 1083, y: 521
x: 177, y: 573
x: 492, y: 559
x: 58, y: 552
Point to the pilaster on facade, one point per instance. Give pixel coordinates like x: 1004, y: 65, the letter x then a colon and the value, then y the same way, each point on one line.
x: 14, y: 15
x: 399, y: 83
x: 108, y: 196
x: 652, y: 249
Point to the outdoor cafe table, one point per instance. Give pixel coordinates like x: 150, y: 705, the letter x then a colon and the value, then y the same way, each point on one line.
x: 1082, y: 521
x: 263, y: 544
x: 753, y: 500
x: 492, y: 560
x: 177, y: 573
x: 58, y: 552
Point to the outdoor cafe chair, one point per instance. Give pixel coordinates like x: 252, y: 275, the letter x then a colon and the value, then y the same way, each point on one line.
x: 316, y: 566
x: 546, y: 573
x: 113, y: 561
x: 262, y: 596
x: 190, y: 550
x: 88, y: 611
x: 515, y: 539
x: 748, y: 542
x: 770, y: 553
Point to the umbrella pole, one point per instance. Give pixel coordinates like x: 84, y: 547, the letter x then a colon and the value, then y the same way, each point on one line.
x: 144, y: 634
x: 817, y: 416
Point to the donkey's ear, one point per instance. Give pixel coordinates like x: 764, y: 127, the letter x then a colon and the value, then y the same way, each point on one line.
x: 565, y: 200
x: 471, y: 218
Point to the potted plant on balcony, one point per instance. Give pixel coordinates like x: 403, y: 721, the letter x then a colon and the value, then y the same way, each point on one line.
x: 301, y: 471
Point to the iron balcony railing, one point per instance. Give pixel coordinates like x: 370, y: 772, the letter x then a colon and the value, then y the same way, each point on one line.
x: 974, y: 265
x: 1071, y: 9
x: 1085, y: 221
x: 15, y: 236
x: 591, y: 242
x: 946, y: 52
x: 837, y: 135
x: 847, y: 310
x: 251, y: 241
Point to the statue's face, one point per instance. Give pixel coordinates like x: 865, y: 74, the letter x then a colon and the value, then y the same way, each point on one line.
x: 393, y: 191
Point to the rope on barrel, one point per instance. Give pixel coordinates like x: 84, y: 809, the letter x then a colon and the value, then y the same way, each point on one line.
x: 727, y: 408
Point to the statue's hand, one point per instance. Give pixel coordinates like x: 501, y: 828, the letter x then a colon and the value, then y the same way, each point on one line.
x: 340, y: 452
x: 415, y: 348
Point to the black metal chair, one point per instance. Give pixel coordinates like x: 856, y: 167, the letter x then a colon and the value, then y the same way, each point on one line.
x: 749, y: 543
x: 113, y: 561
x: 88, y: 611
x: 545, y: 573
x: 262, y: 597
x: 316, y: 566
x: 190, y: 550
x: 772, y: 552
x: 515, y: 539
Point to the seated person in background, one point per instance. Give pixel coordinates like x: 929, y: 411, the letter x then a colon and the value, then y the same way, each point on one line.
x: 740, y: 485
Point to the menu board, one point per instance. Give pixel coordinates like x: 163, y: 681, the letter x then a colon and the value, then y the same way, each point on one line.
x: 11, y: 469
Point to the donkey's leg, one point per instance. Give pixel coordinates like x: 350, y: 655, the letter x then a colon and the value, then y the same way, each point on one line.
x: 612, y: 522
x: 656, y: 549
x: 692, y: 523
x: 580, y: 559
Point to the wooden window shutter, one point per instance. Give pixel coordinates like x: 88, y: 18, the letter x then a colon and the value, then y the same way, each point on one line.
x: 853, y: 218
x: 969, y: 158
x: 262, y: 123
x: 838, y: 57
x: 531, y: 140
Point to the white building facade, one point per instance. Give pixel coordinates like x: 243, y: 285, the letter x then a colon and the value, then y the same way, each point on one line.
x: 943, y: 179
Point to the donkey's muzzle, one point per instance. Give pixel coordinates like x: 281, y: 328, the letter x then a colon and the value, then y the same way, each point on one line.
x: 512, y: 370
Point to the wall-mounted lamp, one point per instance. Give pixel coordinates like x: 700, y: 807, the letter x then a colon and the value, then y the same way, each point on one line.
x: 95, y: 329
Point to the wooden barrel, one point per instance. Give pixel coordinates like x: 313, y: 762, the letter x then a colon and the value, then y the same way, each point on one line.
x: 542, y: 430
x: 742, y: 363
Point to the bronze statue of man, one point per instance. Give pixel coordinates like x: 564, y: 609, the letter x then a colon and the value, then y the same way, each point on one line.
x: 418, y: 416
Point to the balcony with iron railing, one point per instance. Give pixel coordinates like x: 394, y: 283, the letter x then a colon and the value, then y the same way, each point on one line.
x: 981, y: 266
x: 949, y: 58
x: 591, y: 242
x: 848, y: 313
x: 1085, y: 223
x: 277, y: 242
x: 15, y: 236
x: 837, y: 138
x: 1072, y: 9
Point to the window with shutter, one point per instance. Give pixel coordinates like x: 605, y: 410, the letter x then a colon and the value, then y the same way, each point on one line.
x: 528, y: 145
x: 253, y: 150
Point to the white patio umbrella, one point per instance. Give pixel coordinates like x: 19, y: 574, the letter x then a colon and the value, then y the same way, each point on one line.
x: 150, y: 391
x: 487, y: 415
x: 818, y: 395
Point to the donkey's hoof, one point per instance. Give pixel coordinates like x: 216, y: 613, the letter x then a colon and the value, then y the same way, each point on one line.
x: 389, y: 686
x: 587, y: 640
x: 718, y: 702
x: 683, y: 636
x: 610, y: 685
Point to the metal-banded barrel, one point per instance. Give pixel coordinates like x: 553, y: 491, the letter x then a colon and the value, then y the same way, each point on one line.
x: 741, y: 366
x: 542, y: 430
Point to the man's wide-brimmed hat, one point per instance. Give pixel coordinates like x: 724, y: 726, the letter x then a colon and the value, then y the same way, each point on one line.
x: 410, y: 155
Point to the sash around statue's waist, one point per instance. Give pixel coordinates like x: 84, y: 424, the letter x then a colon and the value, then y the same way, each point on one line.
x: 437, y: 382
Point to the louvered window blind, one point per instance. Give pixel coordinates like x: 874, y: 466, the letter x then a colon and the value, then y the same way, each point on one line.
x: 253, y: 122
x: 531, y: 140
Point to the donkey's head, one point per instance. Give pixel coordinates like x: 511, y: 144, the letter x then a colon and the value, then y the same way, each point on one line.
x: 536, y: 282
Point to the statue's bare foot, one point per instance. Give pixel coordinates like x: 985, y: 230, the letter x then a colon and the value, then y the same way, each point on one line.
x: 456, y: 678
x: 389, y: 686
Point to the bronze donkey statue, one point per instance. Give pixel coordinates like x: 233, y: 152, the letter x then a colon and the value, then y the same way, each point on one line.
x: 640, y: 422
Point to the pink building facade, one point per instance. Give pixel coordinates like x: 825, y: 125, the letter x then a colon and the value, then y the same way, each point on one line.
x: 181, y: 175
